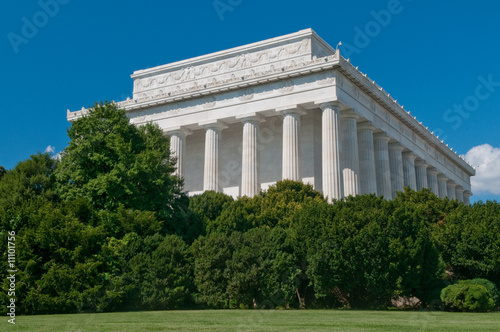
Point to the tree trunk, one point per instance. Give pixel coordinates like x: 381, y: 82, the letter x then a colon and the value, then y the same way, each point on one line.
x: 302, y: 300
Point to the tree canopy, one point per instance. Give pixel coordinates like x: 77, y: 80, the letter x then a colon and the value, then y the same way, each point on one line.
x: 114, y: 164
x: 109, y: 228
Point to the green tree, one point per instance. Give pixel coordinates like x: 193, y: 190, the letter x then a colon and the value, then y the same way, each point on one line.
x: 363, y: 251
x: 282, y: 200
x: 207, y: 207
x: 491, y: 287
x: 467, y: 297
x: 160, y: 274
x: 411, y: 219
x: 31, y: 179
x: 246, y: 267
x: 350, y: 253
x: 211, y: 255
x: 240, y: 215
x: 284, y: 279
x: 275, y: 207
x: 57, y: 261
x: 469, y: 242
x: 113, y: 163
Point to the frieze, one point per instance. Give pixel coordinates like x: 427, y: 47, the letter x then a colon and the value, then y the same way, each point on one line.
x: 214, y: 82
x: 239, y: 62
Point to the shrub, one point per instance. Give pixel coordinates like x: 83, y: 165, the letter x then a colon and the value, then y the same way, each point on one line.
x: 491, y: 287
x: 467, y: 297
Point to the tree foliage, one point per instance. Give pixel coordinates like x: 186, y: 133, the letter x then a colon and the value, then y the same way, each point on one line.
x: 469, y: 242
x: 467, y: 297
x: 109, y: 228
x: 3, y: 171
x: 113, y: 163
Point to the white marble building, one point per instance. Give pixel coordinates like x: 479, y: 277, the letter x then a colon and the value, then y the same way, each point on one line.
x: 290, y: 108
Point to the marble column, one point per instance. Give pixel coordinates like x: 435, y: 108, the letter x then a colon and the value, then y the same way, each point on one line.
x: 367, y: 172
x: 432, y: 180
x: 333, y: 186
x: 396, y: 164
x: 291, y: 169
x: 250, y: 156
x: 421, y: 174
x: 178, y: 149
x: 410, y: 178
x: 350, y: 156
x: 459, y: 193
x: 443, y: 190
x: 467, y: 195
x: 382, y: 165
x: 212, y: 146
x: 450, y: 186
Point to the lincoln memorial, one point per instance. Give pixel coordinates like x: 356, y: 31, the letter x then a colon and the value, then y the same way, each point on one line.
x: 290, y: 107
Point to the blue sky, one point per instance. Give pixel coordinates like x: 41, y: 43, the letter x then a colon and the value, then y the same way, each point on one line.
x: 440, y: 60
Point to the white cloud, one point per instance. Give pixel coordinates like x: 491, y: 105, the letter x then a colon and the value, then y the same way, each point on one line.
x: 50, y: 149
x: 486, y: 160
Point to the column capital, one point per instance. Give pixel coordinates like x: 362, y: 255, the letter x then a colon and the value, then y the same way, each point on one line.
x: 459, y: 188
x: 366, y: 125
x: 348, y: 114
x: 291, y: 109
x: 213, y: 124
x: 451, y: 184
x: 432, y: 170
x: 328, y: 103
x: 442, y: 177
x: 421, y: 163
x: 250, y: 117
x: 180, y: 131
x: 381, y: 136
x: 409, y: 155
x: 396, y: 146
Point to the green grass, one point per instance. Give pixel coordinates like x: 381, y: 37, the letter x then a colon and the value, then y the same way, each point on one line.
x: 260, y: 320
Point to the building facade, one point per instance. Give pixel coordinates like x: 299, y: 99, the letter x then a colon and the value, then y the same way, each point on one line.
x: 290, y: 108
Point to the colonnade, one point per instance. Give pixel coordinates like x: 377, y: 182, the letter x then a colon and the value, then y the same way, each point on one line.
x: 357, y: 158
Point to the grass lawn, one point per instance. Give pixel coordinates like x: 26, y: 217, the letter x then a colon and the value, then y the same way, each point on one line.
x: 260, y: 320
